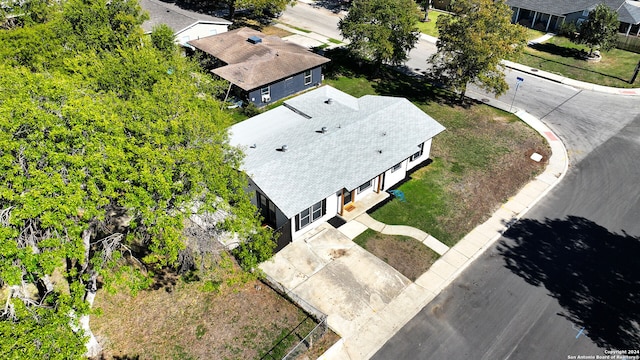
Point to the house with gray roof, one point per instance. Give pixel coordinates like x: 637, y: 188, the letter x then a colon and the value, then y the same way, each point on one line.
x: 311, y: 158
x: 187, y: 25
x: 548, y: 15
x: 262, y: 68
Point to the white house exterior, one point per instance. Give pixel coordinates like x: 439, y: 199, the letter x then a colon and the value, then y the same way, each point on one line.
x: 311, y: 157
x: 187, y: 25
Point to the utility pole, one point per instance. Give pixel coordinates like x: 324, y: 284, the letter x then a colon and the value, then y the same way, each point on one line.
x: 519, y: 81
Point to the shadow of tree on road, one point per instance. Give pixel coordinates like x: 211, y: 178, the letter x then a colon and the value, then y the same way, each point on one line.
x: 593, y: 273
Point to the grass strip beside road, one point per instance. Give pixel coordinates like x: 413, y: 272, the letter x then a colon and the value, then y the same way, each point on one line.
x: 559, y: 55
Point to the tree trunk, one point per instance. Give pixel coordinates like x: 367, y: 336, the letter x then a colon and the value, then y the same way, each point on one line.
x: 232, y: 9
x: 93, y: 347
x: 427, y: 4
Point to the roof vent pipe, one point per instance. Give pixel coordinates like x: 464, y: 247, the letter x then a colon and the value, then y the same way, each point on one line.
x: 284, y: 148
x: 324, y: 129
x: 329, y: 101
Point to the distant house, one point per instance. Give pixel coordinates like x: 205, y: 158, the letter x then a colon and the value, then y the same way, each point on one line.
x: 187, y: 25
x: 311, y: 158
x: 548, y: 15
x: 262, y: 68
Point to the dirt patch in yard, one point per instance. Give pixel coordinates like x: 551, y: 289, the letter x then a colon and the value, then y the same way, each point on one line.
x: 276, y: 31
x: 233, y: 318
x: 407, y: 255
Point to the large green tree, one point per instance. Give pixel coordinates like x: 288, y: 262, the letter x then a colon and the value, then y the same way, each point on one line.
x: 104, y: 152
x: 600, y: 29
x: 472, y: 43
x: 383, y: 31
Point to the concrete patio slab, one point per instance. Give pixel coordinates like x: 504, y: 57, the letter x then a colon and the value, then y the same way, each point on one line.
x: 337, y: 277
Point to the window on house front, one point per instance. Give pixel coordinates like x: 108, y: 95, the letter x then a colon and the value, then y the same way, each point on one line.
x: 585, y: 12
x: 307, y: 77
x: 418, y: 154
x: 365, y: 186
x: 396, y: 167
x: 265, y: 93
x: 307, y: 216
x: 267, y: 209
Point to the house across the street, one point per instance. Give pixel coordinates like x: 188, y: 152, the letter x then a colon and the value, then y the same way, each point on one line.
x: 263, y: 68
x: 187, y: 25
x: 311, y: 158
x: 548, y: 15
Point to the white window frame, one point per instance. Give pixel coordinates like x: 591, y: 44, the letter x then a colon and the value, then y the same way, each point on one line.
x: 417, y: 154
x: 365, y: 186
x: 308, y: 77
x: 265, y: 94
x: 396, y: 167
x: 313, y: 213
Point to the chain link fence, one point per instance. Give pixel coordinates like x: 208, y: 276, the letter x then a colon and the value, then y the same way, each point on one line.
x: 307, y: 343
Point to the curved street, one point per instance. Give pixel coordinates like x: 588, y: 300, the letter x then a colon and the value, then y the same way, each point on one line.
x: 564, y: 280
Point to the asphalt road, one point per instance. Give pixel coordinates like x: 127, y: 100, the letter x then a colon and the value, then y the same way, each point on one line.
x: 564, y: 280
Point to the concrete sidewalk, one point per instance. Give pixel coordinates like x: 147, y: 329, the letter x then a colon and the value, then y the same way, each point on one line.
x: 363, y: 343
x: 361, y: 339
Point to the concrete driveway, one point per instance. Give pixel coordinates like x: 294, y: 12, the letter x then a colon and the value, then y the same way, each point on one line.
x: 333, y: 274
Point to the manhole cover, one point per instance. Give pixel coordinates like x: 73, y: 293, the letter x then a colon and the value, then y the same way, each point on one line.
x: 485, y: 100
x: 534, y: 70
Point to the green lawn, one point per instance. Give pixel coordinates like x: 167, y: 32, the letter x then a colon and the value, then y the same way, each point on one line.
x: 560, y: 56
x: 478, y: 162
x: 533, y: 34
x: 430, y: 27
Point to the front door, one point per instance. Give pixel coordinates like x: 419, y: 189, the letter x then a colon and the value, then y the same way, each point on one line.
x: 348, y: 197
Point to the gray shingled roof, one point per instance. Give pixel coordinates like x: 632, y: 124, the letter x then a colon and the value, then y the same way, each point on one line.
x: 176, y: 18
x: 563, y: 7
x: 250, y: 66
x: 365, y: 137
x: 630, y: 12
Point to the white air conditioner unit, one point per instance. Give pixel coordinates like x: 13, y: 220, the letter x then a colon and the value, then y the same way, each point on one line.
x: 266, y: 98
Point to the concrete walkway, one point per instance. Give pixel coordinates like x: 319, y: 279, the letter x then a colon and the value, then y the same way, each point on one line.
x: 365, y: 221
x: 361, y: 339
x: 364, y: 342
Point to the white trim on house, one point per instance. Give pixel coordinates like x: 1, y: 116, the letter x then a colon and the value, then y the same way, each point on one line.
x: 324, y: 141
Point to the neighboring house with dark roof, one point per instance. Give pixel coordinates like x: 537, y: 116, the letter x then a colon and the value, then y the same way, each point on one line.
x: 186, y: 25
x: 263, y: 68
x: 310, y: 158
x: 548, y: 15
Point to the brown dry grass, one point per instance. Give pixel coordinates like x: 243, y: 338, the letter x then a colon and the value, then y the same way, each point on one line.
x: 242, y: 320
x: 272, y: 30
x: 407, y: 255
x: 477, y: 191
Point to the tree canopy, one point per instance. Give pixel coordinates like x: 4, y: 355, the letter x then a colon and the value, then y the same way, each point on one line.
x: 107, y: 144
x: 600, y: 29
x: 472, y: 43
x: 383, y: 31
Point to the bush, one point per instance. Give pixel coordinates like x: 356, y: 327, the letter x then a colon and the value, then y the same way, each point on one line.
x: 251, y: 110
x: 568, y: 29
x: 255, y: 250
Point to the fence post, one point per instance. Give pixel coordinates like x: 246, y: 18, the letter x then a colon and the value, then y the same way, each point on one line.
x: 635, y: 73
